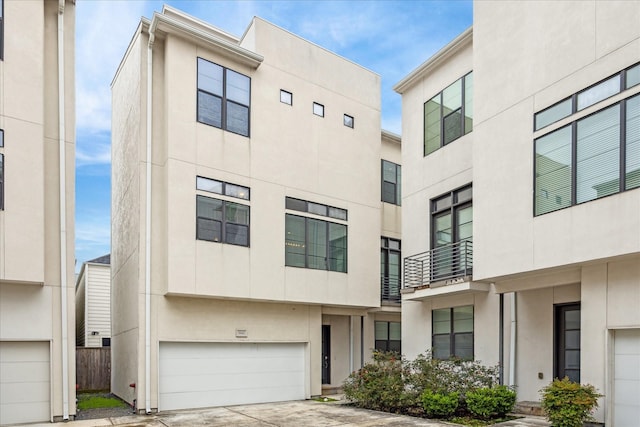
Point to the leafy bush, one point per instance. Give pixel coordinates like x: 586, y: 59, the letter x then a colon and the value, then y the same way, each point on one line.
x: 569, y: 404
x: 487, y: 403
x: 379, y: 385
x: 439, y: 405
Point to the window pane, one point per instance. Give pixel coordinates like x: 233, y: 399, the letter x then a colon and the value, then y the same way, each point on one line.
x: 443, y: 230
x: 238, y: 87
x: 441, y: 346
x: 598, y: 155
x: 296, y: 204
x: 316, y: 244
x: 572, y: 319
x: 316, y: 208
x: 388, y: 171
x: 463, y: 346
x: 432, y: 125
x: 452, y: 97
x: 388, y: 192
x: 294, y: 241
x: 209, y: 208
x: 394, y: 244
x: 382, y: 345
x: 210, y: 185
x: 237, y: 191
x: 237, y: 234
x: 209, y: 109
x: 337, y: 247
x: 553, y: 171
x: 237, y: 118
x: 394, y: 331
x: 442, y: 203
x: 286, y: 97
x: 348, y: 121
x: 464, y: 194
x: 468, y: 103
x: 1, y: 181
x: 318, y: 109
x: 572, y: 339
x: 633, y: 76
x: 209, y: 77
x: 441, y: 321
x: 553, y: 114
x: 1, y: 138
x: 382, y: 330
x: 208, y: 229
x: 463, y: 319
x: 632, y: 170
x: 599, y: 92
x: 465, y: 223
x: 394, y: 345
x: 452, y: 126
x: 338, y: 213
x: 236, y: 213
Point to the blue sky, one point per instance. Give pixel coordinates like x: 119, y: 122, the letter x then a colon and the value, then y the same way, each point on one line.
x: 390, y: 38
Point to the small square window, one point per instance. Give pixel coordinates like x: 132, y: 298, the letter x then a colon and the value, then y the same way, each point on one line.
x: 286, y: 97
x: 1, y: 138
x: 318, y: 109
x: 348, y: 121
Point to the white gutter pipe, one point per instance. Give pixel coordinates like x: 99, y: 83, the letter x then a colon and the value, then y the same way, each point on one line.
x: 147, y: 279
x: 63, y: 214
x: 512, y: 341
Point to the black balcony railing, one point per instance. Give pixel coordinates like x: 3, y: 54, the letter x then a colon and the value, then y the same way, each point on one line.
x: 389, y: 289
x: 443, y: 263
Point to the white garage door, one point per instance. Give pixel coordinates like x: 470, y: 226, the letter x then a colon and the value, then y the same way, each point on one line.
x: 626, y: 400
x: 200, y: 375
x: 24, y: 382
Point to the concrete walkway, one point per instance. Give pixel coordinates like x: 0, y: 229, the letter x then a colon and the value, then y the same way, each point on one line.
x: 281, y: 414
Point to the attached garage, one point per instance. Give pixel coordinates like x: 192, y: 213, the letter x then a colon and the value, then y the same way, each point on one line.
x: 24, y: 382
x: 626, y: 378
x: 200, y: 375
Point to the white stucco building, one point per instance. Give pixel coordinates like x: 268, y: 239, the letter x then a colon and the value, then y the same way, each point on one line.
x: 37, y: 199
x: 521, y: 199
x: 248, y: 226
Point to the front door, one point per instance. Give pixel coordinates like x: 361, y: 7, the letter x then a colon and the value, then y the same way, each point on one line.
x: 326, y: 354
x: 567, y: 341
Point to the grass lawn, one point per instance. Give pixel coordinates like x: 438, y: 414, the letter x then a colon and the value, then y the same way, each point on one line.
x: 98, y: 400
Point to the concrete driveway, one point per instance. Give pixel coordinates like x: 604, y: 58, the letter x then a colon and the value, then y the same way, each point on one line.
x: 281, y: 414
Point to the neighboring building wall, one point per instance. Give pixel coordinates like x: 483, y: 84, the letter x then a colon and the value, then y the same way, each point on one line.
x: 31, y: 263
x: 93, y: 304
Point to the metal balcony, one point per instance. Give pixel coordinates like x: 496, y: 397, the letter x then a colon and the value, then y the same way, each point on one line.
x: 390, y: 289
x: 443, y: 265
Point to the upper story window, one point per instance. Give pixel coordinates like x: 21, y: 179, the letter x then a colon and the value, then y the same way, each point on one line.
x: 221, y: 220
x: 391, y: 182
x: 449, y: 114
x: 347, y: 120
x: 589, y: 158
x: 318, y: 109
x: 390, y: 264
x: 286, y: 97
x: 224, y: 97
x: 314, y: 243
x: 608, y: 87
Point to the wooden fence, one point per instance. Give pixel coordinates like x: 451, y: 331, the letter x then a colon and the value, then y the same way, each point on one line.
x: 93, y: 368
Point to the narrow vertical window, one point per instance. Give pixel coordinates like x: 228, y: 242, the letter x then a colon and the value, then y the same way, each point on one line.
x: 1, y: 182
x: 391, y: 179
x: 318, y: 109
x: 632, y: 169
x: 553, y: 171
x: 286, y: 97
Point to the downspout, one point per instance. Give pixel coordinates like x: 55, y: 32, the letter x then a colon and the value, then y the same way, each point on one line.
x: 147, y: 279
x: 350, y: 343
x: 63, y: 214
x: 512, y: 343
x: 501, y: 341
x: 361, y: 341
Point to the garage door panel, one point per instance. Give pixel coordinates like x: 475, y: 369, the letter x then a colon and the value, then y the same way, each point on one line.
x: 35, y: 391
x: 23, y: 372
x: 196, y: 375
x: 626, y: 384
x: 627, y: 392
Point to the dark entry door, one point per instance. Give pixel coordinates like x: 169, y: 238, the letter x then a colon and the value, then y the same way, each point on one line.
x: 567, y: 341
x: 326, y: 354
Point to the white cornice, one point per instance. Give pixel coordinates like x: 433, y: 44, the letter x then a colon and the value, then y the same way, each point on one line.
x: 393, y: 137
x: 441, y: 56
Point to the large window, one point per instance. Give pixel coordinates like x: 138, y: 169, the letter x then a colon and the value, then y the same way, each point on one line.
x: 453, y: 332
x: 219, y: 220
x: 391, y: 180
x: 449, y: 114
x: 390, y: 257
x: 592, y: 157
x: 388, y: 336
x: 224, y: 97
x: 314, y: 243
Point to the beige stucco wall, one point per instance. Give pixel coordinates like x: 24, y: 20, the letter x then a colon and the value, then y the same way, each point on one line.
x: 30, y: 232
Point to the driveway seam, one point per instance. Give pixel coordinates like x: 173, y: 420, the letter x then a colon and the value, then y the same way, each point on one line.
x: 249, y: 416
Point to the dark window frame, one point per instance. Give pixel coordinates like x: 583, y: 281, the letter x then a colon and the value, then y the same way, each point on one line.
x: 348, y: 121
x: 223, y: 99
x: 442, y: 116
x: 313, y: 109
x: 224, y: 222
x: 455, y: 204
x: 327, y: 263
x: 387, y: 344
x: 573, y: 127
x: 397, y: 191
x: 300, y: 205
x: 225, y: 188
x: 452, y: 334
x: 386, y: 250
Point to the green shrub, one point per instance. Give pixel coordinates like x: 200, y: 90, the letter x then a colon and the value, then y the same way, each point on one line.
x: 379, y: 385
x: 487, y: 403
x: 439, y: 405
x: 569, y: 404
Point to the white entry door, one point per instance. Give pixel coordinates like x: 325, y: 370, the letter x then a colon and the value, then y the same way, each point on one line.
x: 199, y: 375
x: 24, y: 382
x: 626, y: 379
